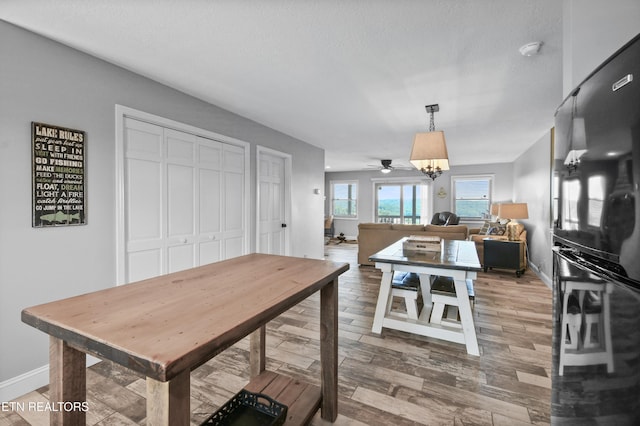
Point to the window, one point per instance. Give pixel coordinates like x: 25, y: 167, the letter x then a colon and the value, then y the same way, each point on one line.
x: 401, y: 202
x: 344, y: 199
x: 472, y: 196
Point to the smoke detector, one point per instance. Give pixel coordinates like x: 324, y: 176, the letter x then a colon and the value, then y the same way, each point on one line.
x: 531, y: 49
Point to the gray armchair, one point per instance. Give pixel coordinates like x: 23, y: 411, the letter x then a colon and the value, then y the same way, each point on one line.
x: 445, y: 218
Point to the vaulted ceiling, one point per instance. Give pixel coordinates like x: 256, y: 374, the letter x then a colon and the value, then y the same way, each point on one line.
x: 352, y: 77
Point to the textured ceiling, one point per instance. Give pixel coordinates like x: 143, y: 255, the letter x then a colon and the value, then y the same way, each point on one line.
x: 352, y: 77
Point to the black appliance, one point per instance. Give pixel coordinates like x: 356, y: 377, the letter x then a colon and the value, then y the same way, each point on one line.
x: 596, y: 234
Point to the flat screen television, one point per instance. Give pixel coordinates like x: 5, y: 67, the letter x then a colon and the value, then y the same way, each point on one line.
x: 597, y: 166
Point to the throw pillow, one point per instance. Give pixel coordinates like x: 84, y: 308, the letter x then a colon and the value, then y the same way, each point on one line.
x: 485, y: 228
x: 497, y: 229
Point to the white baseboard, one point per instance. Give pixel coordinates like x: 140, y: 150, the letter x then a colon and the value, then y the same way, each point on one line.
x: 30, y: 381
x: 543, y: 277
x: 24, y: 383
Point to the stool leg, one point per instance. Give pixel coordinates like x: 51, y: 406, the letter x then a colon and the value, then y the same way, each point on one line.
x: 574, y: 322
x: 592, y: 326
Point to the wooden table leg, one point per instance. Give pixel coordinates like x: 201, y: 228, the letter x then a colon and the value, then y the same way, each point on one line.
x: 67, y: 384
x: 466, y: 317
x: 168, y: 402
x: 383, y: 296
x: 329, y: 350
x: 257, y: 351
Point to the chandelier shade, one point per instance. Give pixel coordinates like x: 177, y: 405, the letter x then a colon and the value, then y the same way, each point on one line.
x: 429, y: 151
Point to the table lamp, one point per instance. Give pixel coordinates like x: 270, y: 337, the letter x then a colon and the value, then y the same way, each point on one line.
x: 513, y: 211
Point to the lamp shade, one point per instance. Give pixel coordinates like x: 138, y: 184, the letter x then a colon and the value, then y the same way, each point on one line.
x: 513, y: 211
x: 495, y: 209
x: 429, y: 150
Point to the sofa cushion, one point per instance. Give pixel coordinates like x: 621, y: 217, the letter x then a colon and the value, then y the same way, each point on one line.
x: 374, y: 226
x: 401, y: 227
x: 449, y: 229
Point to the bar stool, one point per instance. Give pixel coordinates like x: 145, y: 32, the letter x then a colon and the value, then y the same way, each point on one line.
x: 405, y: 285
x: 585, y: 302
x: 445, y: 301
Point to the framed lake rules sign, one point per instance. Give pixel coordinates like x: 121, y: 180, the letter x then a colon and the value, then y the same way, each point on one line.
x: 58, y: 176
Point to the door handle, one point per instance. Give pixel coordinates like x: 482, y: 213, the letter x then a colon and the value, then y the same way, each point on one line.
x: 284, y: 225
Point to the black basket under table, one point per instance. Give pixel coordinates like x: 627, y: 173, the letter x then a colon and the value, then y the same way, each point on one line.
x: 249, y: 409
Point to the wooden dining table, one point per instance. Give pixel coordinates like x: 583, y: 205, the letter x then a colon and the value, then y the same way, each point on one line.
x: 167, y: 326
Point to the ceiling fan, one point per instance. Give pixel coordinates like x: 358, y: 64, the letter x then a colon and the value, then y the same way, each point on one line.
x: 386, y: 167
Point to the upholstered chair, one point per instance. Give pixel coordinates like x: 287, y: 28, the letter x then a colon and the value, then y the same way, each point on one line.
x: 445, y: 218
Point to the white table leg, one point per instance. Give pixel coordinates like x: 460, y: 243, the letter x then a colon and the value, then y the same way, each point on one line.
x: 425, y: 289
x: 383, y: 296
x: 466, y: 317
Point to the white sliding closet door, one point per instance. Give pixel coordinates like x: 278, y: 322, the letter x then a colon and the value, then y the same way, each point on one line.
x: 184, y: 200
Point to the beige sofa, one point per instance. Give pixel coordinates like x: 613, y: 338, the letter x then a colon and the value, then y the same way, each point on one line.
x: 373, y: 237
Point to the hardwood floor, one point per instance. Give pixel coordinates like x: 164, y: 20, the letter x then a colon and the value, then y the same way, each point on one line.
x: 390, y: 379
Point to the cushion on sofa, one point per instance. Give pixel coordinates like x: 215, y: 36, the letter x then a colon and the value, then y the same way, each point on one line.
x: 449, y: 229
x: 374, y: 226
x: 402, y: 227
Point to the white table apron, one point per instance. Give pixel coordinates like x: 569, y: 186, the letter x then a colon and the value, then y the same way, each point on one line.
x: 466, y: 335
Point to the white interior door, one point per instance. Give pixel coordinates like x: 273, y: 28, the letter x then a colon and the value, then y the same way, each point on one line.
x: 273, y: 202
x: 184, y: 200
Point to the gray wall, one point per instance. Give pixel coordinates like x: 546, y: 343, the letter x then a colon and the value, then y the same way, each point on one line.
x: 502, y: 191
x: 532, y: 185
x: 41, y: 80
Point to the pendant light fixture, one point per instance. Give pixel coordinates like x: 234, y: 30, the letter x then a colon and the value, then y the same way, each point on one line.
x: 429, y: 151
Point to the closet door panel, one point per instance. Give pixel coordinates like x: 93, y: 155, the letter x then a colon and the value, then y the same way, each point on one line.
x: 144, y: 200
x: 144, y: 264
x: 210, y: 251
x: 180, y: 201
x: 210, y: 195
x: 181, y: 257
x: 233, y: 247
